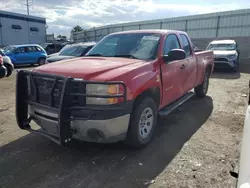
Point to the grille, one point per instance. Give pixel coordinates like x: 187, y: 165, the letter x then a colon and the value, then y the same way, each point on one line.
x: 43, y: 93
x: 220, y: 59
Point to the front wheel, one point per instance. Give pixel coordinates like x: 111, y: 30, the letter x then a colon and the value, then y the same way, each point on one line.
x: 41, y: 61
x: 142, y: 123
x: 9, y: 69
x: 201, y: 90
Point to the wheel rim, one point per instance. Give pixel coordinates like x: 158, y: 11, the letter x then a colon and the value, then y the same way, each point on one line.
x: 146, y: 122
x: 42, y: 61
x: 205, y: 84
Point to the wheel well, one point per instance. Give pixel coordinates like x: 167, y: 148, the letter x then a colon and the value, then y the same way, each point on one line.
x: 153, y: 93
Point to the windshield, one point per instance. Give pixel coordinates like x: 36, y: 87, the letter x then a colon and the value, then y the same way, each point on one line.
x: 63, y: 48
x: 221, y: 47
x: 73, y: 51
x: 9, y: 49
x: 134, y: 45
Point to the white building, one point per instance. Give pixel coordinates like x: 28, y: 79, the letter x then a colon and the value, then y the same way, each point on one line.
x: 21, y: 29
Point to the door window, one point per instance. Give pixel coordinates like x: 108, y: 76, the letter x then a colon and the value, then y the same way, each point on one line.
x: 186, y: 45
x: 171, y: 43
x: 32, y: 49
x: 21, y: 50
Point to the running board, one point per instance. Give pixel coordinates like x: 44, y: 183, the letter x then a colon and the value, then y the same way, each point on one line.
x: 168, y: 109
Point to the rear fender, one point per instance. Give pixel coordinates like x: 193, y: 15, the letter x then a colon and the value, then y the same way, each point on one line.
x: 204, y: 63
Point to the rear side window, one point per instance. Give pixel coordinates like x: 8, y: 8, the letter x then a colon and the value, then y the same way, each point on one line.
x: 171, y: 43
x: 32, y: 49
x: 186, y: 44
x: 38, y: 49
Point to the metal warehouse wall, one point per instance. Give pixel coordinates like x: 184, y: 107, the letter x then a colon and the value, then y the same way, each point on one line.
x: 23, y: 35
x: 201, y: 28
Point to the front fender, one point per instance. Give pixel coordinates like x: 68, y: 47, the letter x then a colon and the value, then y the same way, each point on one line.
x: 143, y: 82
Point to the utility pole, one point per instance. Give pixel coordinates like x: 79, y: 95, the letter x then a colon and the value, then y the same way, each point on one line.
x: 28, y: 7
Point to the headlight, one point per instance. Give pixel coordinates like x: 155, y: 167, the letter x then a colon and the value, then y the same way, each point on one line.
x: 231, y: 56
x: 101, y: 89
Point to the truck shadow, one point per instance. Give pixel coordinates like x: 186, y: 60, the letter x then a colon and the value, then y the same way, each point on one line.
x: 34, y: 161
x: 225, y: 74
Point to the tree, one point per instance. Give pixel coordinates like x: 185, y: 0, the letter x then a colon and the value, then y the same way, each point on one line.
x: 77, y: 28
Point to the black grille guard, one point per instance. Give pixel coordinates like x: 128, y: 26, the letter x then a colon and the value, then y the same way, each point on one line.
x: 65, y: 108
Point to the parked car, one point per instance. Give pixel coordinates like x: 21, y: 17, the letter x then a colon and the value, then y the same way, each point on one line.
x: 116, y: 91
x: 26, y: 54
x: 3, y: 70
x: 226, y: 54
x: 7, y: 63
x: 71, y: 51
x: 51, y: 48
x: 57, y: 53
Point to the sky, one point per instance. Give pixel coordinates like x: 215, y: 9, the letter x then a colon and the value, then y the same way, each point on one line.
x: 63, y: 15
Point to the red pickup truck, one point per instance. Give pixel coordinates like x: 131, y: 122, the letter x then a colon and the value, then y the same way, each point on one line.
x: 117, y: 91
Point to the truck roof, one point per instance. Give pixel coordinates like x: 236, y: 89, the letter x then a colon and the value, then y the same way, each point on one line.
x: 223, y: 42
x: 156, y: 31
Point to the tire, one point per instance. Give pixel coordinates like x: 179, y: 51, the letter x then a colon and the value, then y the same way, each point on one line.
x: 141, y: 127
x: 41, y: 61
x: 9, y: 70
x: 201, y: 90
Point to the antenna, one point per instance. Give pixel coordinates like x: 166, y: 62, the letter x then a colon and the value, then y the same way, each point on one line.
x: 28, y: 7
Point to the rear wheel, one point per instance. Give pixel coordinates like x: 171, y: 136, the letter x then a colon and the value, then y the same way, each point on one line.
x: 142, y: 123
x: 41, y: 61
x: 201, y: 90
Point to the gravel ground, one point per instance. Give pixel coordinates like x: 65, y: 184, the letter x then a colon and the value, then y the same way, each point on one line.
x: 195, y: 146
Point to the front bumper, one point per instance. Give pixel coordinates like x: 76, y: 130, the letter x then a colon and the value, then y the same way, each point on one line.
x: 224, y: 62
x: 67, y: 120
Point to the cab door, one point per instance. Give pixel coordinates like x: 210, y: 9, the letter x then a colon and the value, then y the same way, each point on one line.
x: 20, y: 55
x: 173, y: 73
x: 191, y: 63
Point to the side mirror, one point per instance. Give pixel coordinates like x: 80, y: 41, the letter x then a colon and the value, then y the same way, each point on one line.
x: 174, y: 55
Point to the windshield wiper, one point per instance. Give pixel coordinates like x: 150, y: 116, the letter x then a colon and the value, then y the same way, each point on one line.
x: 94, y: 55
x: 126, y: 55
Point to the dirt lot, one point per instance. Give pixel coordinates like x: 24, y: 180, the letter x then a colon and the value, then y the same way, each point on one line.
x: 195, y: 146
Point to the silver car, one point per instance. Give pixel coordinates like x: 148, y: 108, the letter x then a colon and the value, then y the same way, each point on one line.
x: 7, y: 64
x: 226, y: 53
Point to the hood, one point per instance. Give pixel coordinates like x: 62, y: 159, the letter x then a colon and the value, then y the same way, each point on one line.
x: 224, y: 52
x: 90, y: 68
x: 58, y: 58
x: 54, y: 54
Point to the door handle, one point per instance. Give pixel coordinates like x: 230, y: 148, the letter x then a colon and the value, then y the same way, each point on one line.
x: 183, y: 66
